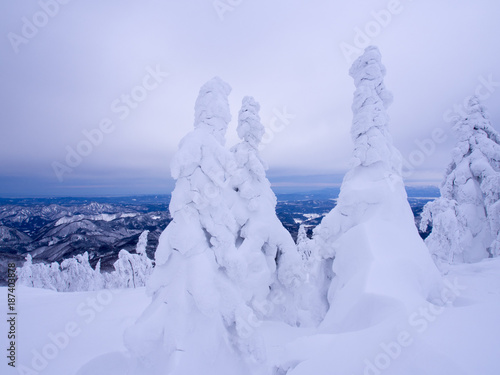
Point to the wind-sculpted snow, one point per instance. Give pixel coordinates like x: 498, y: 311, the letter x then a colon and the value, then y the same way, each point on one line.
x: 380, y: 262
x: 218, y: 255
x: 211, y: 110
x: 372, y: 141
x: 466, y: 218
x: 263, y: 237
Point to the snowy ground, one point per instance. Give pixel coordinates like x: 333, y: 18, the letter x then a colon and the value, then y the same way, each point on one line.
x: 60, y: 332
x: 83, y: 325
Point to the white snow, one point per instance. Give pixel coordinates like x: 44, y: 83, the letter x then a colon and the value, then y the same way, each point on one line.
x: 99, y: 217
x: 312, y: 216
x: 215, y: 259
x: 461, y: 339
x: 466, y: 218
x: 380, y: 263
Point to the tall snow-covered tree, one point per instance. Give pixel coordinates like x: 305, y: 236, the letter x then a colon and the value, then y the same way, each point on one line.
x: 263, y: 241
x: 379, y: 259
x: 466, y: 218
x: 198, y: 315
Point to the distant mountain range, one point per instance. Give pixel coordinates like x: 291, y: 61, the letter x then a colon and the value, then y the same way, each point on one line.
x: 53, y: 229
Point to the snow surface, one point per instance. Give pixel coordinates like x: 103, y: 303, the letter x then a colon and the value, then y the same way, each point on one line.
x: 461, y: 339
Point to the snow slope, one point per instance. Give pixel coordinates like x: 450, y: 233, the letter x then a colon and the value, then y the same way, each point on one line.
x: 95, y: 322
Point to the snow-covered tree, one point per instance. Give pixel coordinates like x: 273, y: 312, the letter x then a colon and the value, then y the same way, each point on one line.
x: 73, y: 275
x: 131, y: 270
x: 466, y: 218
x: 142, y: 243
x: 303, y: 245
x: 198, y: 303
x: 317, y: 275
x: 378, y: 256
x: 77, y: 275
x: 126, y: 273
x: 25, y: 273
x: 263, y: 241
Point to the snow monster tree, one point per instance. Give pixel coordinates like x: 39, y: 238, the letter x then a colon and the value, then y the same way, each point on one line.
x: 466, y: 218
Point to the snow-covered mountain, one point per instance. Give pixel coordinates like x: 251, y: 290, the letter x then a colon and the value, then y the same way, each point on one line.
x: 52, y: 232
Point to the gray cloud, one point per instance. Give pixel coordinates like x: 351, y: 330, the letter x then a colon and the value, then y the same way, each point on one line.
x: 286, y: 54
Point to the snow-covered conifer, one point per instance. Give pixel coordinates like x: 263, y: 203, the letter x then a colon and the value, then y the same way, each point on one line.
x: 25, y: 273
x: 303, y: 245
x: 370, y: 235
x: 270, y: 255
x: 466, y: 218
x: 77, y: 274
x: 142, y: 243
x: 198, y: 306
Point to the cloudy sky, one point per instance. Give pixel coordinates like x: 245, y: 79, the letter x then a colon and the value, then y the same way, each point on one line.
x: 132, y: 69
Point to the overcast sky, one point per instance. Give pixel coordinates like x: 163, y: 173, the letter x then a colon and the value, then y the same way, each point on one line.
x: 135, y: 67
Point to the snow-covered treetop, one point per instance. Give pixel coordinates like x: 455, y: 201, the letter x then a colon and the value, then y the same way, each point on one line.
x: 474, y: 132
x: 212, y: 108
x: 368, y: 71
x: 250, y: 128
x: 372, y: 142
x: 203, y: 147
x: 479, y: 145
x: 477, y: 119
x: 142, y: 243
